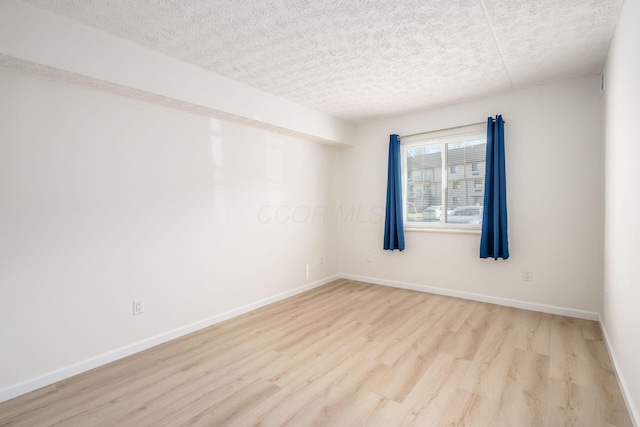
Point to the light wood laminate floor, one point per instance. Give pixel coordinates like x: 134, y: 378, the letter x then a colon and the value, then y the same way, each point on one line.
x: 351, y: 354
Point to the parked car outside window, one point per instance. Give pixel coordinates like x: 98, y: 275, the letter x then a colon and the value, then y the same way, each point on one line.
x: 432, y: 213
x: 465, y: 215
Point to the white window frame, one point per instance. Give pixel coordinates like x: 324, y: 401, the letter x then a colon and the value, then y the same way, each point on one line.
x: 438, y: 138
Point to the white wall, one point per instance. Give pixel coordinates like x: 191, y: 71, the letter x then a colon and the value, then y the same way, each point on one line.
x: 554, y: 171
x: 622, y: 175
x: 104, y: 199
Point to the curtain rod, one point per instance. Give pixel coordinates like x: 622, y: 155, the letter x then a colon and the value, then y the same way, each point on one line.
x: 438, y: 130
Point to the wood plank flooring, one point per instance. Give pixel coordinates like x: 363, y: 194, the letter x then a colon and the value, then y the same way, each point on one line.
x: 351, y: 354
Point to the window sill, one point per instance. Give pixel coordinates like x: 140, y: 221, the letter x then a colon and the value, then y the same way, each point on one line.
x: 443, y: 230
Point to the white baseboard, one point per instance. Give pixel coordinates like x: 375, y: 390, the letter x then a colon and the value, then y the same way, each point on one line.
x: 570, y: 312
x: 526, y: 305
x: 32, y: 384
x: 626, y: 394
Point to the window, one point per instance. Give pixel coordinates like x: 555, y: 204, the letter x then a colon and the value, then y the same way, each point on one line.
x: 450, y: 164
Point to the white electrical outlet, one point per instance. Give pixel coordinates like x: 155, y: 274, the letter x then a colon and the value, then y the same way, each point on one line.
x: 527, y: 275
x: 138, y: 306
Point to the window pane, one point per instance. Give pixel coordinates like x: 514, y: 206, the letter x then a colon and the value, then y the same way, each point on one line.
x: 424, y: 183
x: 465, y: 181
x: 442, y: 171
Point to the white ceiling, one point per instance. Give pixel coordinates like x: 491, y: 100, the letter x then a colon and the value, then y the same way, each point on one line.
x: 361, y: 59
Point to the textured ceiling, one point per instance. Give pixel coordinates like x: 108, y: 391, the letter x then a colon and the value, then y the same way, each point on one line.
x: 361, y: 59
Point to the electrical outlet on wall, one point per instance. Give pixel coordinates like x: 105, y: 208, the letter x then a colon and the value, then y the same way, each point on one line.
x: 138, y: 306
x: 527, y: 275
